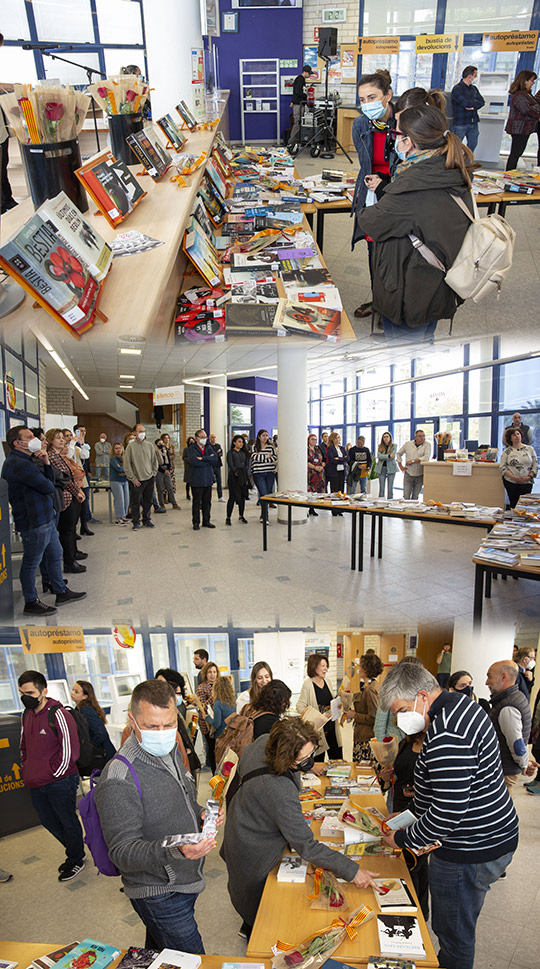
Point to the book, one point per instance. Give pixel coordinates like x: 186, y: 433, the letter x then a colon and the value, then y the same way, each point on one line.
x: 310, y: 320
x: 171, y: 131
x: 254, y: 291
x: 376, y: 962
x: 137, y: 958
x: 339, y: 770
x: 292, y: 869
x: 51, y: 958
x: 336, y: 792
x: 250, y: 319
x: 148, y: 148
x: 399, y: 935
x: 254, y: 262
x: 37, y: 255
x: 80, y: 236
x: 397, y: 897
x: 8, y: 965
x: 170, y: 958
x: 202, y: 253
x: 310, y: 278
x: 309, y: 794
x: 111, y: 185
x: 186, y: 115
x: 99, y: 955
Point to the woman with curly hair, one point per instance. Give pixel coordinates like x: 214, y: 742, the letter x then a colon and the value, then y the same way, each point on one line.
x: 365, y: 706
x: 224, y: 702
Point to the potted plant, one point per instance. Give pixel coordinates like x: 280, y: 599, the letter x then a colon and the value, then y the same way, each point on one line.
x: 373, y: 477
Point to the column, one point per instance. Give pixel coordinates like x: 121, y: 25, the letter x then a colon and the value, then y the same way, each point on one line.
x: 475, y: 651
x: 292, y: 425
x: 218, y: 412
x: 172, y: 28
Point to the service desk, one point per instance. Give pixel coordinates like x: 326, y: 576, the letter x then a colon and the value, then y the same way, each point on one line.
x: 285, y: 913
x: 483, y: 486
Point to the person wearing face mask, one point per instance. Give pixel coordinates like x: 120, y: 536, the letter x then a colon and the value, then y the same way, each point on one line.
x: 49, y: 752
x: 141, y: 466
x: 31, y: 485
x: 202, y: 460
x: 526, y: 662
x: 465, y: 816
x: 416, y: 220
x: 371, y: 133
x: 511, y: 716
x: 265, y: 815
x: 103, y: 450
x: 186, y: 745
x: 461, y: 682
x: 162, y: 884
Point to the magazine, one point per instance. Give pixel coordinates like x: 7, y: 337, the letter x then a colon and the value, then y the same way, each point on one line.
x: 310, y: 320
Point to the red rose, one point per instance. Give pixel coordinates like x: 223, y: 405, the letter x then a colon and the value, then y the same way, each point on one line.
x: 131, y: 95
x: 54, y: 110
x: 67, y: 267
x: 102, y: 91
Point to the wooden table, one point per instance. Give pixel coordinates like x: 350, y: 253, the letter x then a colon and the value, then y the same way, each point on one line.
x: 285, y: 914
x: 483, y: 574
x: 484, y: 486
x: 322, y: 209
x: 25, y: 952
x: 358, y: 511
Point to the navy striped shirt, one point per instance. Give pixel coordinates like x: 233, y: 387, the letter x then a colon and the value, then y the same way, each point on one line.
x: 460, y: 797
x: 264, y: 460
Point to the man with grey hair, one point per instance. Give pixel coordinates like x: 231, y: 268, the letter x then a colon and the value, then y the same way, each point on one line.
x: 144, y: 795
x: 464, y: 813
x: 511, y: 716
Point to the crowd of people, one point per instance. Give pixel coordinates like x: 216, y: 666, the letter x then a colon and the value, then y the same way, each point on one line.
x: 452, y: 751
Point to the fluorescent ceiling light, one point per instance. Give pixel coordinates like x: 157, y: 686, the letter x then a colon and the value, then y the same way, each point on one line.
x: 60, y: 363
x: 126, y: 386
x: 133, y: 352
x: 229, y: 373
x: 126, y: 376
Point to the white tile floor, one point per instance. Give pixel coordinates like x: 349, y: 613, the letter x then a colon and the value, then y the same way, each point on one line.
x: 35, y: 908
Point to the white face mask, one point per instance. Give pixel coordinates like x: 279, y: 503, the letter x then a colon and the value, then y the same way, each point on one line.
x: 202, y: 442
x: 103, y: 439
x: 411, y: 721
x: 531, y: 664
x: 34, y: 445
x: 141, y: 435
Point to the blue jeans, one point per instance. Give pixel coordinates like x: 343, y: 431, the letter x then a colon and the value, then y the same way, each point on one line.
x: 102, y: 472
x: 170, y: 922
x: 217, y: 479
x: 264, y: 483
x: 385, y: 475
x: 352, y: 486
x: 468, y: 131
x: 458, y: 892
x: 56, y: 806
x: 411, y: 334
x: 41, y: 545
x: 120, y: 492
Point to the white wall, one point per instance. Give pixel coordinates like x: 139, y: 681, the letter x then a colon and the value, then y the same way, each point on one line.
x: 172, y: 28
x: 475, y: 651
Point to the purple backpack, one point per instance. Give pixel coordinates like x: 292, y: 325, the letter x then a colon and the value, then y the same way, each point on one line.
x: 88, y: 811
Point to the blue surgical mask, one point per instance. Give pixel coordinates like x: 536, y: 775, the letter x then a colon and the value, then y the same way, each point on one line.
x: 159, y: 743
x: 401, y: 154
x: 179, y: 701
x: 374, y: 110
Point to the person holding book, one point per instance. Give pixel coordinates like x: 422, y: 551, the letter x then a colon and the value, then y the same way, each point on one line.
x: 162, y: 884
x: 141, y: 464
x: 359, y: 466
x: 387, y: 465
x: 524, y: 116
x: 261, y: 674
x: 103, y: 450
x: 202, y: 460
x: 316, y: 693
x: 265, y: 815
x: 519, y: 466
x: 465, y: 817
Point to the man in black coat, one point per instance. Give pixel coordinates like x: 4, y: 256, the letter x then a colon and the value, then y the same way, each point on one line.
x: 217, y: 470
x: 202, y: 460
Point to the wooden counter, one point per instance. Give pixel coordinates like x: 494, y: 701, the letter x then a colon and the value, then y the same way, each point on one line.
x: 345, y: 119
x: 483, y: 487
x: 25, y: 952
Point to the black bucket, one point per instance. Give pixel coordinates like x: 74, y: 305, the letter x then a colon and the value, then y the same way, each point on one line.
x: 51, y: 169
x: 120, y: 126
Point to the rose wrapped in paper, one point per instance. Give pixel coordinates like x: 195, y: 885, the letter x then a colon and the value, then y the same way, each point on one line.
x: 367, y: 825
x: 317, y: 948
x: 220, y: 782
x: 326, y: 894
x: 385, y: 751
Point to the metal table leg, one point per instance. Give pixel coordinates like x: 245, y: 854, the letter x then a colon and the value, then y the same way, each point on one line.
x: 488, y: 584
x: 289, y: 523
x: 353, y: 541
x: 380, y: 536
x: 373, y: 531
x: 361, y: 541
x: 320, y: 228
x: 478, y: 594
x: 109, y: 490
x: 264, y: 512
x: 309, y: 217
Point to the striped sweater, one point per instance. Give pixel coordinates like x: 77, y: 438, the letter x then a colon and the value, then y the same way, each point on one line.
x: 264, y: 460
x: 460, y: 796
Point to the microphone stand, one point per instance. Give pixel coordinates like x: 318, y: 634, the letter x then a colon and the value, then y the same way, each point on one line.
x: 329, y: 137
x: 89, y: 71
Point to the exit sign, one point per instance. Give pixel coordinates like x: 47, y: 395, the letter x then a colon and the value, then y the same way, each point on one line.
x: 334, y: 15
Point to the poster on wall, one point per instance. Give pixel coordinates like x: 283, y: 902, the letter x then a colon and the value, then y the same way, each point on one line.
x: 212, y: 18
x: 287, y: 83
x: 312, y: 59
x: 197, y: 65
x: 348, y: 63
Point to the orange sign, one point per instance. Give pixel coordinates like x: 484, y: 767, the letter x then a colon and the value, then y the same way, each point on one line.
x: 438, y: 43
x: 52, y: 639
x: 378, y: 45
x: 510, y: 40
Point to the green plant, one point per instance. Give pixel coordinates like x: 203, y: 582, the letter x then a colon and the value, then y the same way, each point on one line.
x: 372, y: 473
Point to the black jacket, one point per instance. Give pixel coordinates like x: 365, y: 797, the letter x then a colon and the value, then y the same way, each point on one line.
x: 405, y: 286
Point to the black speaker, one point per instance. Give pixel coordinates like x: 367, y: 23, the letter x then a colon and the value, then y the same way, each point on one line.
x: 327, y: 42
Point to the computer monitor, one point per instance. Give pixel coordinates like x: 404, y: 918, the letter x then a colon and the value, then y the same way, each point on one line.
x: 59, y: 690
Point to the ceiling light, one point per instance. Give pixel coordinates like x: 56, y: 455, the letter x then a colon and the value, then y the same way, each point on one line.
x: 126, y: 386
x: 135, y: 353
x: 126, y: 376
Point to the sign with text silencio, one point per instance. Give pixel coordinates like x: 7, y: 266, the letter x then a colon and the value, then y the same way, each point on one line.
x: 169, y: 395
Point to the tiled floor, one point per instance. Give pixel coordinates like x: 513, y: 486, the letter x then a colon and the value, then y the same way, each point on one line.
x: 35, y: 908
x: 212, y: 577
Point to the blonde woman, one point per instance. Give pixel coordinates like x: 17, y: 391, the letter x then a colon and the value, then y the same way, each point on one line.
x: 224, y: 703
x: 387, y: 465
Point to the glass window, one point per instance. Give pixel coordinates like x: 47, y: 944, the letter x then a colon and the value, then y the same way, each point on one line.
x: 14, y: 24
x: 118, y: 19
x: 375, y: 405
x: 315, y: 412
x: 160, y: 651
x: 332, y: 409
x: 30, y: 349
x: 405, y: 17
x: 13, y: 662
x: 350, y: 401
x: 493, y: 15
x: 15, y: 341
x: 504, y: 61
x: 15, y: 368
x: 240, y: 414
x: 441, y: 395
x: 479, y: 430
x: 31, y: 391
x: 18, y: 65
x: 520, y: 384
x: 401, y: 433
x: 117, y: 57
x: 350, y: 435
x: 407, y: 69
x: 67, y: 73
x: 64, y: 20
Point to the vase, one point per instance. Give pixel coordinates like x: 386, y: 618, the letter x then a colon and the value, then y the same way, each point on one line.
x: 50, y: 169
x: 441, y: 448
x: 120, y: 126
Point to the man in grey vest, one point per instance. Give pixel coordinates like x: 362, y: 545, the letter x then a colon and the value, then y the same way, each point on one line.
x: 511, y: 716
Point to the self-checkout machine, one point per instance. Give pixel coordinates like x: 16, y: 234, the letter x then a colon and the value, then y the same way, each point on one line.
x: 493, y: 86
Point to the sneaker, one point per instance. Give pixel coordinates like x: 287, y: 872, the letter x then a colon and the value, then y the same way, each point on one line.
x: 534, y: 789
x: 66, y: 864
x: 38, y: 608
x: 149, y: 524
x: 222, y: 499
x: 531, y: 783
x: 136, y: 525
x: 69, y: 596
x: 228, y: 521
x: 5, y: 876
x: 160, y: 511
x: 70, y: 872
x: 120, y: 521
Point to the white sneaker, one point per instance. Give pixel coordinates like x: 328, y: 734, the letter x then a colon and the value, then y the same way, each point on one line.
x: 222, y: 499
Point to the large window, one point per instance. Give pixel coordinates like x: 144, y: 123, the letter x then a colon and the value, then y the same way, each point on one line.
x: 405, y: 17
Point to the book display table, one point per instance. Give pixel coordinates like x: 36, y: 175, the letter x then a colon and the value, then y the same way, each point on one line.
x: 483, y: 486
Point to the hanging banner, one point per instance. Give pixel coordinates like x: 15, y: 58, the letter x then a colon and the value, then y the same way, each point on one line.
x: 169, y: 395
x: 510, y: 40
x: 11, y: 393
x: 439, y: 43
x: 52, y: 639
x: 378, y: 45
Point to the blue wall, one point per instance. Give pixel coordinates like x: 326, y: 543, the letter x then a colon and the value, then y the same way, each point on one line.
x: 261, y: 33
x: 265, y: 408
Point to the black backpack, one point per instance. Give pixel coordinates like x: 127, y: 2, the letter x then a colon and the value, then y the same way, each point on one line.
x: 90, y: 757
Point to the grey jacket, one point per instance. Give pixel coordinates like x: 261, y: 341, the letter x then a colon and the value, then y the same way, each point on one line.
x: 263, y: 818
x: 133, y: 828
x: 511, y: 716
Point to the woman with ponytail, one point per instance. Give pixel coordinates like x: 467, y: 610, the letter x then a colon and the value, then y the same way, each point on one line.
x: 410, y: 294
